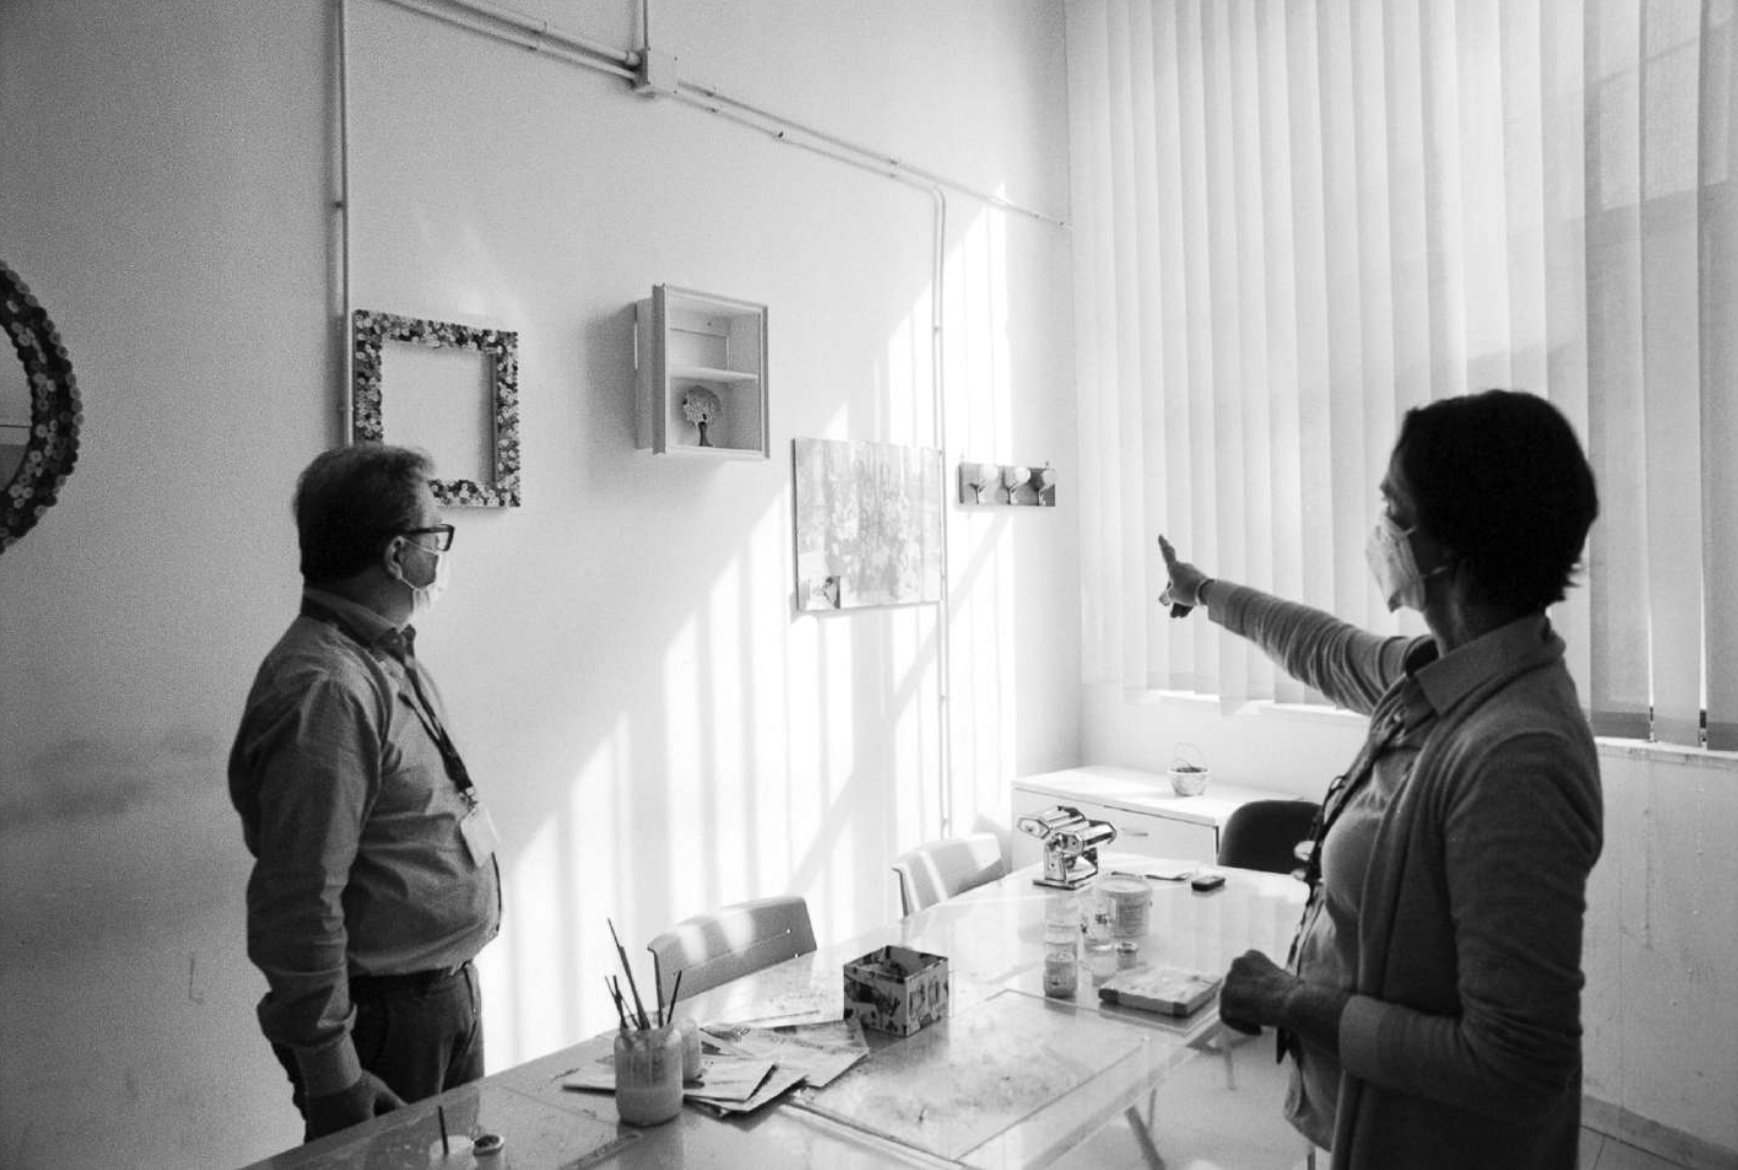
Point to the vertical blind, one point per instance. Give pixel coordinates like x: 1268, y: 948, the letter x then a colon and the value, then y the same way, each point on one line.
x: 1296, y: 219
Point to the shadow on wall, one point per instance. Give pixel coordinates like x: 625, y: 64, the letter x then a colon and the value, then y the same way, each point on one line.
x: 101, y: 840
x: 87, y: 780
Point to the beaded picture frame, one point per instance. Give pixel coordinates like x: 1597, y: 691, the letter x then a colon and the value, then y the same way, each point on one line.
x: 371, y: 331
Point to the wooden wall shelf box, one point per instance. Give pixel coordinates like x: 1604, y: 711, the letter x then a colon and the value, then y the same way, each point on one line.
x: 700, y: 368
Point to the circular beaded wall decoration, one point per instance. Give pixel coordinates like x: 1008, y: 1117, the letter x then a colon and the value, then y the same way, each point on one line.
x: 51, y: 448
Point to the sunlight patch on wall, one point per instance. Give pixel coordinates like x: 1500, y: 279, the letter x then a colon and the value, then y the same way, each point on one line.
x: 982, y: 562
x: 769, y: 574
x: 978, y: 366
x: 908, y: 364
x: 587, y: 860
x: 918, y: 806
x: 985, y: 668
x: 537, y: 937
x: 718, y: 823
x: 689, y: 681
x: 542, y: 981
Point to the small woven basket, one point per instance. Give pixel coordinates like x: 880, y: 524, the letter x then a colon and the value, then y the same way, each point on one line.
x: 1188, y: 777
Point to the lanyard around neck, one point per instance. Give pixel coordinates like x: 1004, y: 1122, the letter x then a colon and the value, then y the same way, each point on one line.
x: 1343, y: 788
x: 420, y: 706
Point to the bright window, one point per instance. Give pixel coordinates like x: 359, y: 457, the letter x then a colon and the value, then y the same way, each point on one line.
x: 1294, y: 221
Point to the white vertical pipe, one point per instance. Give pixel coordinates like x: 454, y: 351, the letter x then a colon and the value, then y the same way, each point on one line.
x: 945, y: 615
x: 342, y: 211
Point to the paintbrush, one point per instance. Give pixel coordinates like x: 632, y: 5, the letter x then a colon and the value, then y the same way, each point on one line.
x: 616, y: 997
x: 639, y: 1004
x: 675, y: 990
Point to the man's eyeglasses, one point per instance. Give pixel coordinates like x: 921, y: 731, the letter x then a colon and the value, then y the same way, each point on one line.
x: 443, y: 534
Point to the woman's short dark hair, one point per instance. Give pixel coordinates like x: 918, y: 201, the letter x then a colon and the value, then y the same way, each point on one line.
x: 351, y: 500
x: 1501, y: 480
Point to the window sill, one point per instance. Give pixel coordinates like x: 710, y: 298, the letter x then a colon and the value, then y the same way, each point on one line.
x: 1665, y: 753
x: 1609, y: 746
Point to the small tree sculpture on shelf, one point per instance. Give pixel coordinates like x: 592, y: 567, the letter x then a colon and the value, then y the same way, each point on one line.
x: 701, y: 407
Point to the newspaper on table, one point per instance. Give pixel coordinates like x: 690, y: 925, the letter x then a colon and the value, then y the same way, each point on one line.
x: 744, y: 1066
x: 778, y: 1082
x: 723, y: 1080
x: 821, y: 1052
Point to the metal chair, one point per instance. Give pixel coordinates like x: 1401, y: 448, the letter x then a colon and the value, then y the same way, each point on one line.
x: 937, y: 871
x: 709, y: 949
x: 1264, y: 834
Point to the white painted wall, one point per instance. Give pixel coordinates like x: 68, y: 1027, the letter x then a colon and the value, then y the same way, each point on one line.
x: 1661, y: 952
x: 655, y: 729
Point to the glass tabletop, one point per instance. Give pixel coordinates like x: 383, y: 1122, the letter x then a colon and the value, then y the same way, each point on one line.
x: 1009, y: 1081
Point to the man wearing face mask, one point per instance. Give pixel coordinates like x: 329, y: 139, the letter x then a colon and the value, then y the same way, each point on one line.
x: 1431, y: 1001
x: 375, y: 881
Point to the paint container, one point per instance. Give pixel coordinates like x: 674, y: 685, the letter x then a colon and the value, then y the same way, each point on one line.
x: 1095, y: 919
x: 1061, y: 947
x: 454, y: 1152
x: 690, y: 1033
x: 648, y: 1075
x: 1125, y: 901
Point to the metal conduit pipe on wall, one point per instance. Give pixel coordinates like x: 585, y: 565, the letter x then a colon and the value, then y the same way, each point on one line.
x: 539, y: 36
x: 502, y: 23
x: 877, y: 161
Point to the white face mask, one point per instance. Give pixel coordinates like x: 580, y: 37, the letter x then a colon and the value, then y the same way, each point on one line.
x: 423, y: 597
x: 1390, y: 555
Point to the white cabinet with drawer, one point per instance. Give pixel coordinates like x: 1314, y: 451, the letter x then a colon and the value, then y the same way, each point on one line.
x: 1150, y: 818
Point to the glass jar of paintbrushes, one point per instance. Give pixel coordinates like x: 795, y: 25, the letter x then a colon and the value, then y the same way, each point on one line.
x: 648, y: 1075
x: 650, y: 1050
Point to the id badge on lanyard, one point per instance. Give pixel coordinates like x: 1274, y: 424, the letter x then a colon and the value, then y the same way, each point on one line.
x: 478, y: 830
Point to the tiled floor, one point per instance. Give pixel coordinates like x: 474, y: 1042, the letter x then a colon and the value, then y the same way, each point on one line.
x: 1187, y: 1113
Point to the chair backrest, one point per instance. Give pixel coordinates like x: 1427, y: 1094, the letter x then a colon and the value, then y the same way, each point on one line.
x: 1264, y: 834
x: 940, y: 869
x: 709, y: 949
